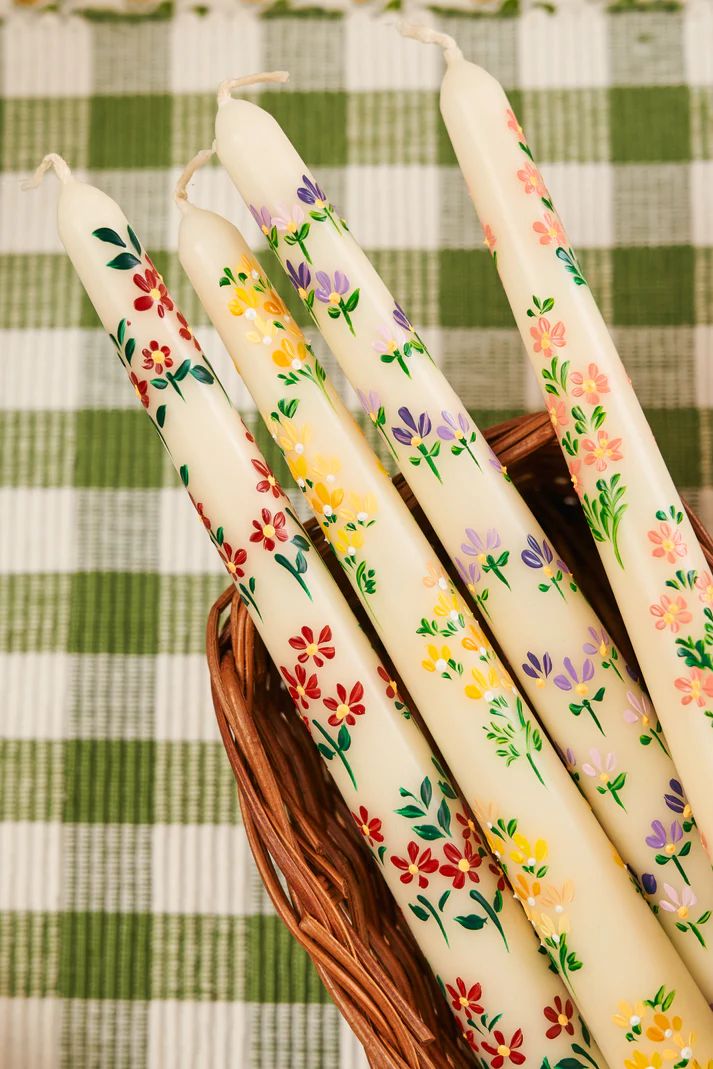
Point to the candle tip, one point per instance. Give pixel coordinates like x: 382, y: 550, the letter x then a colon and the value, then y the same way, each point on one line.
x: 429, y: 36
x: 225, y: 89
x: 180, y: 194
x: 51, y: 160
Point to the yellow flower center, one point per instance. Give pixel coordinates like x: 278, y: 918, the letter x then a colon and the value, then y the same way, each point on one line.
x: 311, y: 649
x: 265, y: 229
x: 272, y: 481
x: 687, y: 812
x: 137, y: 391
x: 300, y: 690
x: 413, y: 869
x: 481, y: 558
x: 463, y: 1001
x: 416, y: 441
x: 667, y: 544
x: 581, y: 689
x: 341, y: 711
x: 334, y: 297
x: 231, y: 567
x: 589, y: 385
x: 645, y: 721
x: 539, y: 683
x: 547, y: 571
x: 696, y: 688
x: 603, y: 649
x: 603, y: 777
x: 458, y: 435
x: 155, y: 294
x: 545, y: 340
x: 670, y: 848
x: 292, y: 226
x: 464, y: 865
x: 562, y: 1019
x: 373, y: 416
x: 365, y: 829
x: 302, y: 293
x: 268, y: 531
x: 503, y: 1051
x: 682, y: 912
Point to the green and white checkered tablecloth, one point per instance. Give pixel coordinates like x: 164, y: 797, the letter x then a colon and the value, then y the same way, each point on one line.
x: 133, y: 929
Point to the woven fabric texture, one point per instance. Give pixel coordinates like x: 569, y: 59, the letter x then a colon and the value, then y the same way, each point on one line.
x: 133, y: 929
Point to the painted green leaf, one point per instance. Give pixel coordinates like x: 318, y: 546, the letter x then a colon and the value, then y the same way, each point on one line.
x: 472, y: 922
x: 183, y: 472
x: 124, y: 261
x: 161, y: 415
x: 343, y: 738
x: 426, y: 792
x: 288, y: 408
x: 444, y: 817
x: 134, y: 240
x: 428, y: 832
x: 202, y: 374
x: 129, y: 349
x: 443, y: 899
x: 325, y: 751
x: 418, y: 911
x: 159, y: 384
x: 105, y: 233
x: 352, y: 301
x: 182, y: 370
x: 220, y: 536
x: 411, y: 812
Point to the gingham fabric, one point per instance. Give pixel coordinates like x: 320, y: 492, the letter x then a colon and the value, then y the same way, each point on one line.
x: 133, y: 928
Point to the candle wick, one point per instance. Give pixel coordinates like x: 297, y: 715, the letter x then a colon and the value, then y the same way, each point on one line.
x: 200, y: 159
x: 225, y: 89
x: 53, y: 161
x: 430, y: 37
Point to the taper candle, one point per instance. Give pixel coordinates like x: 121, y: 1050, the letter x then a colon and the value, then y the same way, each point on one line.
x: 555, y: 852
x: 656, y: 567
x: 574, y: 676
x: 425, y: 843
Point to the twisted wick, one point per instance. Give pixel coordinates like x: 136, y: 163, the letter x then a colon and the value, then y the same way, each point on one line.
x: 180, y: 194
x: 52, y: 161
x: 427, y: 36
x: 225, y: 89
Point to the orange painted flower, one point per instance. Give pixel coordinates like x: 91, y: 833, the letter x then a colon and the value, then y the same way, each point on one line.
x: 589, y: 384
x: 575, y: 467
x: 603, y: 451
x: 704, y: 586
x: 696, y: 687
x: 670, y: 613
x: 489, y: 239
x: 559, y: 416
x: 514, y: 125
x: 546, y: 336
x: 550, y: 230
x: 532, y: 180
x: 667, y: 542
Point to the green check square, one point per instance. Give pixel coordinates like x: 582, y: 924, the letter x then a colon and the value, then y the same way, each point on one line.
x: 649, y: 125
x: 109, y: 781
x: 114, y: 612
x: 130, y: 131
x: 678, y: 433
x: 105, y: 955
x: 653, y: 286
x: 316, y: 124
x: 117, y: 448
x: 470, y: 291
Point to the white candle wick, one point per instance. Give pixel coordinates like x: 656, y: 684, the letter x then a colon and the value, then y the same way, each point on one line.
x: 225, y: 89
x: 428, y: 36
x: 180, y: 194
x: 50, y: 161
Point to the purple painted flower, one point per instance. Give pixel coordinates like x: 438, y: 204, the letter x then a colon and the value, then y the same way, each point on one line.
x: 495, y: 462
x: 469, y: 572
x: 663, y: 840
x: 300, y: 277
x: 455, y: 427
x: 648, y: 882
x: 676, y: 801
x: 401, y: 318
x: 599, y: 642
x: 539, y: 555
x: 570, y: 761
x: 575, y: 680
x: 262, y: 217
x: 633, y: 675
x: 538, y: 669
x: 311, y: 193
x: 329, y: 290
x: 479, y: 546
x: 370, y: 402
x: 415, y: 429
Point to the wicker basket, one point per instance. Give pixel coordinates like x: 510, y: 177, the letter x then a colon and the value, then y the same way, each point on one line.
x: 299, y: 829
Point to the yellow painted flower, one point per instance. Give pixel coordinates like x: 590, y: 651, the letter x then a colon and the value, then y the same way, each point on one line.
x: 450, y: 606
x: 527, y: 892
x: 630, y: 1016
x: 528, y: 854
x: 326, y: 469
x: 552, y: 928
x: 438, y: 658
x: 263, y: 331
x: 293, y: 441
x: 484, y: 684
x: 475, y: 640
x: 245, y: 302
x: 275, y: 306
x: 290, y: 354
x: 435, y: 576
x: 683, y: 1047
x: 640, y: 1060
x: 347, y: 542
x: 325, y: 500
x: 360, y: 508
x: 249, y: 266
x: 558, y: 898
x: 663, y: 1027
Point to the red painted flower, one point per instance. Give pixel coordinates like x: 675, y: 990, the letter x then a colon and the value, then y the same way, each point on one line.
x: 370, y: 829
x: 345, y: 708
x: 392, y: 691
x: 416, y: 864
x: 470, y: 1037
x: 302, y: 688
x: 233, y: 559
x: 468, y: 825
x: 560, y: 1015
x: 141, y: 388
x: 498, y: 873
x: 153, y: 292
x: 462, y: 864
x: 505, y: 1051
x: 267, y: 484
x: 269, y: 529
x: 198, y: 506
x: 157, y: 357
x: 319, y: 649
x: 465, y: 998
x: 185, y: 331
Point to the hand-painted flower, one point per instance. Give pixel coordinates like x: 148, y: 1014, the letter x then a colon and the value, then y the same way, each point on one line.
x: 602, y: 452
x: 560, y: 1015
x: 600, y: 765
x: 502, y: 1051
x: 639, y: 710
x: 576, y: 680
x: 388, y: 339
x: 269, y: 529
x: 667, y: 542
x: 301, y: 278
x: 471, y: 1039
x: 479, y: 546
x: 550, y: 230
x: 663, y: 840
x: 141, y: 388
x: 400, y: 318
x: 630, y: 1016
x: 233, y: 559
x: 476, y: 640
x: 200, y: 509
x: 330, y: 290
x: 435, y: 577
x: 495, y: 462
x: 320, y: 649
x: 527, y: 854
x: 558, y: 411
x: 547, y: 337
x: 696, y: 687
x: 663, y: 1027
x: 532, y: 180
x: 527, y: 891
x: 347, y: 542
x: 514, y: 125
x: 537, y: 669
x: 302, y: 688
x: 438, y: 658
x: 325, y: 500
x: 262, y: 217
x: 676, y: 801
x: 670, y: 613
x: 489, y: 239
x: 461, y: 864
x: 417, y: 864
x: 392, y: 689
x: 455, y: 426
x: 288, y: 220
x: 590, y: 384
x: 641, y: 1060
x: 369, y: 827
x: 469, y: 572
x: 484, y: 684
x: 575, y: 468
x: 185, y: 331
x: 157, y: 358
x: 245, y: 302
x: 291, y: 354
x: 154, y: 292
x: 267, y: 483
x: 415, y: 428
x: 312, y: 194
x: 678, y: 902
x: 371, y: 403
x: 468, y: 827
x: 599, y: 642
x: 346, y: 707
x: 465, y: 998
x: 558, y: 898
x: 704, y: 586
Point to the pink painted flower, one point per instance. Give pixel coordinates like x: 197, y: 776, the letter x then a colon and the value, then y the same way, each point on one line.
x: 514, y: 125
x: 704, y: 586
x: 696, y: 687
x: 489, y: 239
x: 639, y: 710
x: 532, y: 180
x: 559, y: 416
x: 603, y: 451
x: 546, y: 336
x: 589, y: 385
x: 670, y: 613
x: 678, y: 902
x: 575, y: 468
x: 667, y: 542
x: 550, y: 230
x: 600, y: 766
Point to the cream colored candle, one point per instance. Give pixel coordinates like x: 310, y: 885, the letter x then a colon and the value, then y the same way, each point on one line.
x: 657, y: 570
x: 556, y: 854
x: 425, y: 843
